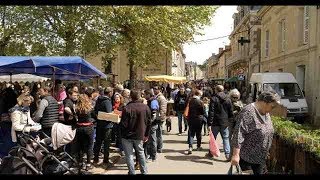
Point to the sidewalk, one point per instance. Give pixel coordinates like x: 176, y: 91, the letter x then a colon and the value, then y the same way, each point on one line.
x: 174, y: 158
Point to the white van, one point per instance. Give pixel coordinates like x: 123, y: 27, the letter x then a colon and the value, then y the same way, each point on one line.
x: 286, y: 86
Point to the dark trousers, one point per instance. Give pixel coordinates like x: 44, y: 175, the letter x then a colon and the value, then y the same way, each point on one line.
x: 256, y: 168
x: 84, y: 141
x: 194, y: 130
x: 102, y: 135
x: 117, y: 133
x: 47, y: 131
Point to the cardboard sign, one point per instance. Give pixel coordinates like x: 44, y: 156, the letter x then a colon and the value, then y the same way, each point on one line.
x: 112, y: 117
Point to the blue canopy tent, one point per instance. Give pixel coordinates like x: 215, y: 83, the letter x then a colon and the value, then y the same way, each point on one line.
x: 59, y: 67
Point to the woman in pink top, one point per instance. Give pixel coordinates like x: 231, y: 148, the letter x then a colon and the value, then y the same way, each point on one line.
x: 60, y: 95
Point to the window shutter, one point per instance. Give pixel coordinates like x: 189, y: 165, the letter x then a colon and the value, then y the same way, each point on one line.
x: 306, y: 25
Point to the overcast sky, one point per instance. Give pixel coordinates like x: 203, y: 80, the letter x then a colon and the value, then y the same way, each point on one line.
x: 222, y: 25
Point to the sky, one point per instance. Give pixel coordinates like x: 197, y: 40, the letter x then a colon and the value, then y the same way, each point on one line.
x: 222, y: 25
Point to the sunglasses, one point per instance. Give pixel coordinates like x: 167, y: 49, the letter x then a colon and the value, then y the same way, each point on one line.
x: 234, y: 97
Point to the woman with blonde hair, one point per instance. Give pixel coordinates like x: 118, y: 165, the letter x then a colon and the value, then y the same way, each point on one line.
x: 84, y: 135
x: 20, y: 117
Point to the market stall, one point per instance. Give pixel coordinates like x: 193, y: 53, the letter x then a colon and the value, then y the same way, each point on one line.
x: 60, y: 67
x: 22, y: 78
x: 167, y: 79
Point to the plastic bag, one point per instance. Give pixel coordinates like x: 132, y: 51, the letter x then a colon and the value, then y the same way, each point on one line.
x: 213, y: 146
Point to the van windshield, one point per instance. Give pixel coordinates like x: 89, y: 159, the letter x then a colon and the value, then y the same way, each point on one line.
x: 285, y: 90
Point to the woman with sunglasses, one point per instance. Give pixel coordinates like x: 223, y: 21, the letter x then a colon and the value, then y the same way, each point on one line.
x: 237, y: 106
x: 253, y: 133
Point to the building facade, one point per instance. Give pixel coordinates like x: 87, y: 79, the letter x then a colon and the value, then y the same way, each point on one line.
x: 193, y: 71
x: 223, y: 55
x: 244, y: 42
x: 290, y: 43
x: 161, y: 64
x: 178, y: 63
x: 212, y: 67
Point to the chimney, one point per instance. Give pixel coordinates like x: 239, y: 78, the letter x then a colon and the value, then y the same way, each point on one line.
x: 220, y: 50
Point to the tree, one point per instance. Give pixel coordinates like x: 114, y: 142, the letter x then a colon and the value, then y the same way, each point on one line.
x: 145, y: 31
x: 68, y: 30
x: 15, y: 23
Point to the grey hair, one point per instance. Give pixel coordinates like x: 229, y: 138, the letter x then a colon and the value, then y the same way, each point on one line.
x: 234, y: 92
x: 269, y: 97
x: 126, y: 91
x: 219, y: 88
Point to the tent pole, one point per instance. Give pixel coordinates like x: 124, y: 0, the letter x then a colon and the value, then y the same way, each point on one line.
x: 10, y: 77
x: 53, y: 80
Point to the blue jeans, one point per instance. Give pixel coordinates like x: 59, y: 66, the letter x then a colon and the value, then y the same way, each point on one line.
x: 159, y: 136
x: 152, y: 142
x: 224, y: 132
x: 180, y: 118
x: 128, y: 146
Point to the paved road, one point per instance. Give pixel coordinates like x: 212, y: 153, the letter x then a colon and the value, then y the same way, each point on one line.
x: 174, y: 159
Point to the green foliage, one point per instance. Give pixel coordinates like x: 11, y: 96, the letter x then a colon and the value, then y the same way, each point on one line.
x: 145, y: 31
x: 15, y: 25
x: 302, y: 135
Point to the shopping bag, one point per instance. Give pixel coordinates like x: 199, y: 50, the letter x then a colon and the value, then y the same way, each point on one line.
x: 186, y: 111
x: 213, y: 146
x: 238, y: 170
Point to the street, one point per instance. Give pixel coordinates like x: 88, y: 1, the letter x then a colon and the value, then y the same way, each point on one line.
x: 174, y: 158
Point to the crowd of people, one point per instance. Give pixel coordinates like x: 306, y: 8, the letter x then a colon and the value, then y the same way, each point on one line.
x: 246, y: 131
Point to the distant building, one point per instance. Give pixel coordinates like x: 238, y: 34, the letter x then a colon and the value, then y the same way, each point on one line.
x: 212, y: 67
x: 164, y: 63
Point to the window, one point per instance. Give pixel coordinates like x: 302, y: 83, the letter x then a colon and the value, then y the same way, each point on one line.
x: 267, y: 43
x: 284, y: 90
x: 282, y: 38
x: 306, y: 20
x: 242, y: 13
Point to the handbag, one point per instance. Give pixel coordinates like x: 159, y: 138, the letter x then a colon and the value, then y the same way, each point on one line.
x: 213, y: 146
x: 237, y: 172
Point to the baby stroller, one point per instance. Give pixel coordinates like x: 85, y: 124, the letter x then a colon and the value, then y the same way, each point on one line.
x: 35, y: 156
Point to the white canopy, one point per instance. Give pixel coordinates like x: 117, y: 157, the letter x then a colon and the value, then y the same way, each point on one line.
x: 23, y: 77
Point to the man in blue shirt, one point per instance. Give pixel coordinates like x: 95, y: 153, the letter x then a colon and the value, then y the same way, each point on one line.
x: 151, y: 148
